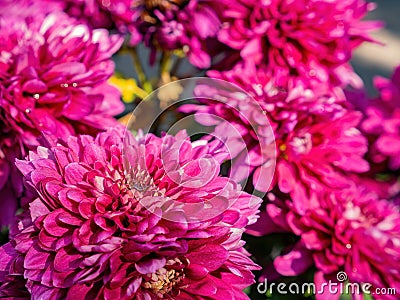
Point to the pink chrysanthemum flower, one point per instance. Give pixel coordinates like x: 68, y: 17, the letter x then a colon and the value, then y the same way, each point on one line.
x: 285, y: 100
x: 92, y: 12
x: 382, y: 121
x: 319, y: 155
x: 115, y: 14
x: 187, y: 25
x: 355, y: 232
x: 241, y: 122
x: 54, y: 75
x: 311, y: 39
x: 317, y: 141
x: 115, y: 219
x: 180, y: 24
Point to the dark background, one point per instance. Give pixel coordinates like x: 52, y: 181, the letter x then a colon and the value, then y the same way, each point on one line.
x: 370, y: 60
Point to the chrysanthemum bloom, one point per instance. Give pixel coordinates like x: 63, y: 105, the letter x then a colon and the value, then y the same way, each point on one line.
x: 241, y: 122
x: 181, y: 24
x: 319, y: 155
x: 115, y: 14
x: 54, y: 75
x: 285, y: 100
x: 91, y: 12
x: 354, y: 231
x: 187, y: 25
x: 382, y: 121
x: 316, y: 137
x: 112, y: 221
x: 311, y: 39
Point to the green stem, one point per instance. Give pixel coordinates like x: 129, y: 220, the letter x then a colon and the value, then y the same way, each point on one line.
x: 138, y: 67
x: 165, y: 67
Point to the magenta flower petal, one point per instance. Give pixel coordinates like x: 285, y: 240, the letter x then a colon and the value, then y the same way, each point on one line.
x: 150, y: 266
x: 212, y: 257
x: 8, y: 254
x: 297, y: 261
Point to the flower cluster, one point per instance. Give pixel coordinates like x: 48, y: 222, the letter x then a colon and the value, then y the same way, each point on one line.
x: 112, y: 219
x: 105, y: 214
x: 294, y: 65
x: 285, y: 101
x: 355, y: 232
x: 312, y: 40
x: 115, y: 14
x: 317, y: 140
x: 94, y: 13
x: 183, y: 24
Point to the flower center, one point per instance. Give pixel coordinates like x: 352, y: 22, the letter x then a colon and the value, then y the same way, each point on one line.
x: 165, y: 279
x: 162, y: 4
x: 142, y: 184
x: 301, y: 145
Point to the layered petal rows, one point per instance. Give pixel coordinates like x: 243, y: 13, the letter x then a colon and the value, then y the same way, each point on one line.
x: 113, y: 219
x: 54, y: 75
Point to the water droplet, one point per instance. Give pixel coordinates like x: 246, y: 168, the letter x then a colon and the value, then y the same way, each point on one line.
x: 36, y: 96
x: 64, y: 85
x: 258, y: 88
x: 74, y: 84
x: 348, y: 246
x: 28, y: 111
